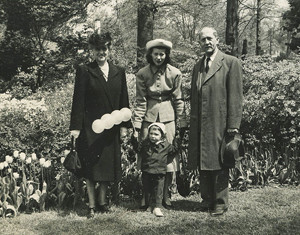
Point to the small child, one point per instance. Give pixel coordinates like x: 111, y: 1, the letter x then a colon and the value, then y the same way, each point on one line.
x: 155, y: 153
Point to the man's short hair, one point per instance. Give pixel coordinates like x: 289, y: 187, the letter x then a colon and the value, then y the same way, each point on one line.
x: 215, y: 33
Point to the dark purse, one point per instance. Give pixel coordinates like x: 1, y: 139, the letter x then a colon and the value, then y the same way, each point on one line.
x: 72, y: 161
x: 183, y: 180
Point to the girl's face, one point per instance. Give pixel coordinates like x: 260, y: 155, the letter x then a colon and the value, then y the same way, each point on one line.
x: 154, y: 134
x: 100, y: 54
x: 158, y: 56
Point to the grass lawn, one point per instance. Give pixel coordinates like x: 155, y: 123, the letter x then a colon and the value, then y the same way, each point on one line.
x: 269, y: 210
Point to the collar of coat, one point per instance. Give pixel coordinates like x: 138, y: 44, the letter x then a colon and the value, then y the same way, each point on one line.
x: 94, y: 69
x: 215, y: 66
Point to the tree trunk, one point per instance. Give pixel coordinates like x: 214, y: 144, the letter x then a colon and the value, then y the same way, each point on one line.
x: 145, y: 28
x: 258, y: 20
x: 232, y: 21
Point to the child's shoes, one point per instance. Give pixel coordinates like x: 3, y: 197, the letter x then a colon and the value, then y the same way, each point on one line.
x: 157, y: 212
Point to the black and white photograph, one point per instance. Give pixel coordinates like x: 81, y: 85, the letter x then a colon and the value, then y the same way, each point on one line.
x: 149, y: 117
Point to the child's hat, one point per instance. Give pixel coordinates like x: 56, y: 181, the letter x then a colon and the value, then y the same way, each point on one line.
x: 160, y: 125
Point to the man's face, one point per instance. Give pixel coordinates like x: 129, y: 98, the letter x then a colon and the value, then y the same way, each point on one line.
x: 208, y: 41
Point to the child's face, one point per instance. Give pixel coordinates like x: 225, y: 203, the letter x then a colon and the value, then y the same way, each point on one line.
x: 154, y: 134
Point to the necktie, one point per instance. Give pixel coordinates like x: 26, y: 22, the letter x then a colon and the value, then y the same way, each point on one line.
x: 207, y: 64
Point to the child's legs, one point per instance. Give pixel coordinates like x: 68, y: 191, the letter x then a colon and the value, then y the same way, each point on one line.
x: 158, y: 187
x: 146, y: 180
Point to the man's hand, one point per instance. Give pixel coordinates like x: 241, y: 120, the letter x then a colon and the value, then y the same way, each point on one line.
x: 75, y: 133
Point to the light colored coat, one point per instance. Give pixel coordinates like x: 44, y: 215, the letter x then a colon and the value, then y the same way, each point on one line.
x: 159, y: 97
x: 216, y: 105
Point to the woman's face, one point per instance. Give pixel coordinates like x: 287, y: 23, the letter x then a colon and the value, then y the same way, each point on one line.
x: 100, y: 54
x: 158, y: 56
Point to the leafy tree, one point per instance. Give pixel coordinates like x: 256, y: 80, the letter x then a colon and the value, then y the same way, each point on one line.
x: 32, y: 24
x: 292, y: 24
x: 232, y: 21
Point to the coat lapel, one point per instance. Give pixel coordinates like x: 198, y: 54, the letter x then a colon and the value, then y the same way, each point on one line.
x: 198, y: 72
x: 94, y: 69
x: 215, y: 66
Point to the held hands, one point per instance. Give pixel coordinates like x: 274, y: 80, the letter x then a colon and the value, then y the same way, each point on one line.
x: 123, y: 133
x: 75, y: 133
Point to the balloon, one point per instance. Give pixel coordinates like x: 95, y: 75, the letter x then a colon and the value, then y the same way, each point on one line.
x: 126, y: 114
x: 109, y: 123
x: 106, y: 116
x: 98, y: 126
x: 117, y: 116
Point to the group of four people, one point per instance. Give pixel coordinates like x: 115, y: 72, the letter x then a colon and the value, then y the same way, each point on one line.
x: 216, y: 109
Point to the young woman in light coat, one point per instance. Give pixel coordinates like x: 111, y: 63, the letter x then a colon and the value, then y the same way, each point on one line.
x: 159, y: 98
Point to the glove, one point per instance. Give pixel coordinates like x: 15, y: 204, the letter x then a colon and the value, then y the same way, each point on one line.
x: 75, y: 133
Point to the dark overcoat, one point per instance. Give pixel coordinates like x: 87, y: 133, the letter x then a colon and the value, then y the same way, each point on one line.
x: 216, y: 105
x: 93, y: 97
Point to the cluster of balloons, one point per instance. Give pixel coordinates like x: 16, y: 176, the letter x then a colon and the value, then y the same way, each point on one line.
x: 107, y: 121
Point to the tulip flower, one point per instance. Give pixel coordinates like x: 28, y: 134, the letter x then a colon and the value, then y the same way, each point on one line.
x: 33, y: 156
x: 1, y: 166
x: 5, y: 164
x: 22, y: 156
x: 42, y: 161
x: 62, y: 159
x: 28, y: 160
x: 16, y: 154
x: 9, y: 170
x: 8, y: 159
x: 16, y: 175
x: 47, y: 164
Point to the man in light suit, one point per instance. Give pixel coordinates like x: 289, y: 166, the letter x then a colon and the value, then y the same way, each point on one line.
x: 216, y: 111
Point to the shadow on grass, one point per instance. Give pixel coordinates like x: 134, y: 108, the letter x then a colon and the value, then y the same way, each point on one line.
x: 186, y: 205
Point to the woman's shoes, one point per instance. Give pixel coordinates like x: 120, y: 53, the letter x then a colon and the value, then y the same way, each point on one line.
x: 157, y: 212
x: 91, y: 213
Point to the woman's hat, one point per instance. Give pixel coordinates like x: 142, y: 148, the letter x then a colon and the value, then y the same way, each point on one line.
x: 100, y: 40
x: 158, y: 124
x: 158, y: 43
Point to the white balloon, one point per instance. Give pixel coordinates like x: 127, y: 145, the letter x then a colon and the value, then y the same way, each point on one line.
x: 109, y: 123
x: 98, y: 126
x: 106, y: 116
x: 117, y: 116
x: 126, y: 114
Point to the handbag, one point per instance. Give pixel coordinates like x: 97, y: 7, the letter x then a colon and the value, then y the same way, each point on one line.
x: 72, y: 161
x: 183, y: 180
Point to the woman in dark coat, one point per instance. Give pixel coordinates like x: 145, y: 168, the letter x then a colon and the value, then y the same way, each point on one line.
x: 100, y: 88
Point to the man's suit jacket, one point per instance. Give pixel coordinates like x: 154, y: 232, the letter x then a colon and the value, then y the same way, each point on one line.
x: 216, y: 105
